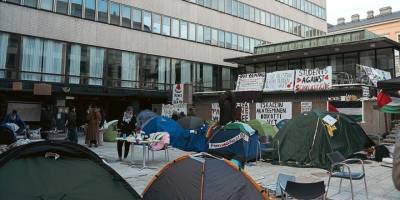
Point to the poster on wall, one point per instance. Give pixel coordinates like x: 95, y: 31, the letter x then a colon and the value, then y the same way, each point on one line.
x: 250, y: 82
x: 313, y: 79
x: 177, y: 94
x: 168, y: 109
x: 273, y: 112
x: 306, y: 106
x: 215, y: 111
x: 376, y: 75
x: 279, y: 81
x: 245, y: 107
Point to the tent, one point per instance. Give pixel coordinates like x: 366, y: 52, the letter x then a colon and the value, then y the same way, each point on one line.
x: 144, y: 116
x: 233, y: 144
x: 204, y: 177
x: 282, y: 123
x: 306, y: 139
x: 263, y: 128
x: 59, y: 170
x: 180, y: 138
x: 7, y: 135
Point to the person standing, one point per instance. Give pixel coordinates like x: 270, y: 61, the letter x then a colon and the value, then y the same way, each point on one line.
x: 71, y: 126
x: 93, y: 119
x: 396, y: 166
x: 127, y: 125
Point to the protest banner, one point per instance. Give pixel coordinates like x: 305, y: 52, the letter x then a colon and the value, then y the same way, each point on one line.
x: 273, y: 112
x: 177, y: 94
x: 313, y: 79
x: 250, y: 82
x: 279, y: 81
x: 168, y: 109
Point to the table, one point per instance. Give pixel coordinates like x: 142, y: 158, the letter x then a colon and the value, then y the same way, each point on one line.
x: 144, y: 143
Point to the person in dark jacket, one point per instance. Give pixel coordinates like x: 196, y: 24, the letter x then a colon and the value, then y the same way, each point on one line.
x: 72, y: 126
x: 14, y: 118
x: 227, y: 108
x: 127, y: 125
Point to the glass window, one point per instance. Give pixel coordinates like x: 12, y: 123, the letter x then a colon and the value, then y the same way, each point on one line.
x: 221, y: 38
x: 148, y: 71
x: 156, y: 23
x: 62, y: 6
x: 46, y: 4
x: 350, y: 61
x: 175, y: 27
x: 234, y: 8
x: 53, y: 61
x: 146, y: 21
x: 199, y: 35
x: 192, y: 32
x: 246, y: 11
x: 367, y: 58
x: 262, y: 17
x: 4, y: 40
x: 268, y: 19
x: 282, y: 24
x: 252, y: 43
x: 246, y: 44
x: 234, y: 41
x: 114, y: 13
x: 186, y: 72
x: 257, y: 16
x: 228, y: 40
x: 114, y: 61
x: 226, y: 78
x: 137, y: 18
x: 126, y: 16
x: 207, y: 35
x: 282, y: 65
x: 214, y: 37
x: 240, y: 43
x: 286, y: 25
x: 228, y: 6
x: 184, y: 30
x: 200, y: 2
x: 90, y: 9
x: 273, y: 21
x: 221, y: 5
x: 103, y: 11
x: 321, y: 62
x: 207, y: 77
x: 166, y: 25
x: 31, y: 3
x: 252, y: 13
x: 294, y: 64
x: 76, y: 8
x: 384, y: 58
x: 14, y: 1
x: 129, y: 70
x: 241, y: 9
x: 207, y: 3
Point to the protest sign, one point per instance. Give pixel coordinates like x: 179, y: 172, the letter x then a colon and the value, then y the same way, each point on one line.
x: 313, y: 79
x: 279, y: 81
x: 273, y: 112
x: 250, y: 82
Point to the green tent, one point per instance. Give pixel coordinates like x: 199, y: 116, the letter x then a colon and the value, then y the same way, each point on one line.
x: 306, y: 139
x: 56, y: 170
x: 263, y: 128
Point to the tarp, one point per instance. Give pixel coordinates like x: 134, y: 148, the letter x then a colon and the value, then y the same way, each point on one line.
x: 306, y: 139
x: 59, y: 170
x: 179, y: 137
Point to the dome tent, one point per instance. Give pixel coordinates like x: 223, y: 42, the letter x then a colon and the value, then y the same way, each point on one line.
x: 59, y: 170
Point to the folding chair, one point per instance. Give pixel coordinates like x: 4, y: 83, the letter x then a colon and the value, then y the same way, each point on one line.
x: 304, y: 190
x: 282, y: 180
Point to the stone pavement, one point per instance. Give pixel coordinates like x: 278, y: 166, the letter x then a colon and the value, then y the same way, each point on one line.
x: 379, y: 179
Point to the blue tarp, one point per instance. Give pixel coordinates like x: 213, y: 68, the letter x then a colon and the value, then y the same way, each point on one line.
x: 179, y: 137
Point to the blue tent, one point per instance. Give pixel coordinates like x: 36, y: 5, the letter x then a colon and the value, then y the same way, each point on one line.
x: 233, y: 144
x: 145, y: 116
x: 179, y: 137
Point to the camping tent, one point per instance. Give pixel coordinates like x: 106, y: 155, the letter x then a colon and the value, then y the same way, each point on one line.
x: 202, y: 177
x: 306, y: 139
x: 180, y: 138
x: 59, y: 170
x: 263, y: 128
x: 145, y: 116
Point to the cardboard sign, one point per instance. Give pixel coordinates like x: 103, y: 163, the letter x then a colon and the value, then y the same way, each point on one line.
x: 42, y: 89
x: 177, y: 94
x: 279, y: 81
x: 273, y: 112
x: 313, y: 79
x: 215, y: 111
x: 250, y: 82
x: 17, y: 86
x: 376, y: 75
x: 306, y: 106
x: 245, y: 114
x: 365, y: 91
x: 168, y: 109
x: 329, y: 120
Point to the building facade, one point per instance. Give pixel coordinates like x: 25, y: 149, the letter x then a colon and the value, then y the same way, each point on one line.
x: 131, y: 52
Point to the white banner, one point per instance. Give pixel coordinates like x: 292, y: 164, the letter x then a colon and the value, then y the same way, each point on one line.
x: 245, y: 114
x: 376, y: 75
x: 306, y: 106
x: 215, y: 111
x: 168, y: 109
x: 177, y: 94
x: 279, y: 81
x: 313, y: 79
x: 273, y: 112
x: 229, y: 142
x: 250, y: 82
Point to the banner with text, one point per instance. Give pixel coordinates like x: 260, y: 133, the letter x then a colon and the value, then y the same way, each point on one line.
x: 376, y: 75
x: 168, y: 109
x: 313, y: 79
x: 177, y: 94
x: 250, y: 82
x: 215, y: 111
x: 273, y: 112
x: 279, y: 81
x: 245, y: 114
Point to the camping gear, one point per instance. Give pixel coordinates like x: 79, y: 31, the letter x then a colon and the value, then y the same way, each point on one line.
x: 202, y: 176
x: 162, y: 139
x: 280, y: 182
x: 111, y: 132
x: 265, y: 131
x: 145, y: 116
x: 339, y: 161
x: 179, y: 138
x: 59, y: 170
x: 190, y: 122
x: 233, y: 144
x: 243, y: 127
x: 306, y: 139
x: 282, y: 123
x: 294, y: 190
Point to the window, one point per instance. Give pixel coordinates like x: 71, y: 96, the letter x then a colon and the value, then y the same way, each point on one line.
x: 14, y: 1
x: 74, y: 57
x: 234, y: 8
x: 184, y: 30
x: 286, y: 25
x: 246, y: 44
x: 166, y: 25
x: 62, y: 6
x: 282, y: 24
x: 350, y: 61
x: 320, y: 62
x: 221, y: 38
x: 192, y: 32
x: 252, y: 43
x: 207, y: 35
x: 234, y: 41
x: 126, y: 16
x: 241, y: 10
x: 384, y: 58
x: 46, y: 5
x: 221, y: 5
x: 214, y: 37
x: 257, y: 16
x: 214, y: 4
x: 246, y: 11
x: 90, y: 9
x: 31, y: 3
x: 175, y: 27
x: 282, y: 65
x: 367, y: 58
x: 103, y: 11
x: 137, y: 18
x: 4, y: 40
x: 262, y: 17
x: 76, y: 8
x: 156, y: 23
x: 398, y: 37
x: 226, y: 78
x: 146, y: 21
x: 252, y: 13
x: 268, y: 19
x: 228, y: 6
x: 129, y: 70
x: 114, y: 13
x: 114, y: 67
x: 207, y: 3
x: 228, y: 40
x: 273, y: 20
x: 240, y: 43
x: 199, y: 35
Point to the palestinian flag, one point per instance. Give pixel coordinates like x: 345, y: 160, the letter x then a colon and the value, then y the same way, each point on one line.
x: 388, y: 104
x: 353, y: 109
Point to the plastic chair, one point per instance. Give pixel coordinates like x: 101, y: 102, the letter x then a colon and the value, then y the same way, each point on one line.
x: 304, y: 190
x: 282, y: 180
x: 338, y: 160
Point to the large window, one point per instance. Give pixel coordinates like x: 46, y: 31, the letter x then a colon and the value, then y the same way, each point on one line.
x: 14, y: 1
x: 90, y: 9
x: 207, y: 77
x: 53, y: 60
x: 31, y: 3
x: 367, y: 58
x: 234, y: 8
x: 114, y: 13
x: 226, y: 78
x: 156, y: 23
x: 32, y: 51
x: 221, y: 5
x: 129, y: 70
x: 62, y: 6
x: 207, y: 35
x: 240, y: 9
x: 184, y: 30
x: 146, y: 21
x: 221, y: 38
x: 228, y: 6
x: 228, y: 40
x: 103, y: 11
x: 46, y: 5
x: 114, y: 60
x: 137, y: 18
x: 384, y: 59
x: 75, y: 63
x: 246, y: 12
x: 76, y: 8
x: 192, y: 32
x: 4, y: 38
x: 246, y: 44
x: 96, y: 65
x: 175, y: 27
x: 336, y: 61
x: 350, y: 61
x: 234, y: 41
x: 126, y: 16
x: 240, y: 43
x: 214, y: 37
x: 199, y: 35
x: 166, y: 25
x: 148, y: 71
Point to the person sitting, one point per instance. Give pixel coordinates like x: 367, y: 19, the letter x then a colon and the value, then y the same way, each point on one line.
x: 127, y: 125
x: 14, y: 118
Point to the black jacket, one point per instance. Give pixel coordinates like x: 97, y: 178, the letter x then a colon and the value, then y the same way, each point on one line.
x: 127, y: 128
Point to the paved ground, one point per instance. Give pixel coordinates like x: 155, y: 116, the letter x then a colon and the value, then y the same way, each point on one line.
x: 379, y: 179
